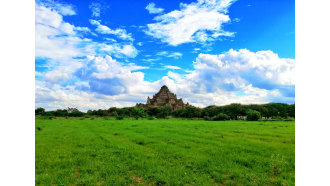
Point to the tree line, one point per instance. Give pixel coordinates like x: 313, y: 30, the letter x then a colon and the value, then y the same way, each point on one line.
x: 269, y: 111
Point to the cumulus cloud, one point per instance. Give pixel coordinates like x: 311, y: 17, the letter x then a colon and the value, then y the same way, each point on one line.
x: 240, y: 76
x: 106, y: 75
x: 196, y: 22
x: 54, y: 38
x: 121, y: 33
x: 63, y: 46
x: 231, y: 77
x: 151, y: 7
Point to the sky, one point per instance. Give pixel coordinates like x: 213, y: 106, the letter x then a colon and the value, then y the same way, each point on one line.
x: 98, y: 54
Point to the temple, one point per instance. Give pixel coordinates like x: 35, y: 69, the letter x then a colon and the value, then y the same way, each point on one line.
x: 163, y: 97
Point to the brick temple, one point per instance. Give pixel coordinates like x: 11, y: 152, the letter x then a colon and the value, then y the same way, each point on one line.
x: 162, y: 97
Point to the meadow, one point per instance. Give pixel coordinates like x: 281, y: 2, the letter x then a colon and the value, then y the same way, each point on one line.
x: 83, y: 151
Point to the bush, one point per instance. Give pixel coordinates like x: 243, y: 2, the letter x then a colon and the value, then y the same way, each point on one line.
x: 118, y: 117
x: 208, y: 118
x: 221, y: 117
x: 76, y: 114
x: 253, y: 115
x: 151, y: 118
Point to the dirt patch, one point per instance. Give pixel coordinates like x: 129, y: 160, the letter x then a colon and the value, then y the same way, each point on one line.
x: 138, y: 179
x: 77, y: 174
x: 101, y: 182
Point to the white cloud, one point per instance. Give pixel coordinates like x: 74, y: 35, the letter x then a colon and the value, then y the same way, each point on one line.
x: 175, y: 55
x: 190, y: 23
x: 162, y: 53
x: 108, y: 67
x: 56, y: 75
x: 96, y: 9
x: 120, y: 51
x: 121, y: 33
x: 54, y: 38
x: 151, y: 7
x: 59, y: 43
x: 151, y: 59
x: 83, y: 29
x: 67, y: 10
x: 172, y: 67
x: 63, y: 9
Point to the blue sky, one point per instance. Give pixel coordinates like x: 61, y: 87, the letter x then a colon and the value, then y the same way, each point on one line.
x: 97, y: 54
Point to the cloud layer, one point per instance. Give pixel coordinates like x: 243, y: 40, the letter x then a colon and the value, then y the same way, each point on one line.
x: 216, y: 80
x: 196, y: 22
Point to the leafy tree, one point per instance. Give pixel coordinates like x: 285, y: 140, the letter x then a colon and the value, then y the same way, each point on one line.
x: 123, y: 112
x: 153, y: 111
x: 165, y: 111
x: 60, y: 113
x: 191, y: 111
x: 178, y: 113
x: 39, y: 111
x: 234, y: 110
x: 211, y: 111
x: 253, y: 115
x: 138, y: 112
x: 291, y: 110
x: 76, y: 113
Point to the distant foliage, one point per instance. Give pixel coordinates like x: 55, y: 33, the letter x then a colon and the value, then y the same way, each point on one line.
x: 270, y: 111
x: 188, y: 112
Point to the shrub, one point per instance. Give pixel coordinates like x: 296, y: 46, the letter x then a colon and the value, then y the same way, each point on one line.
x: 151, y: 118
x: 221, y: 117
x: 208, y: 118
x: 253, y: 115
x: 118, y: 117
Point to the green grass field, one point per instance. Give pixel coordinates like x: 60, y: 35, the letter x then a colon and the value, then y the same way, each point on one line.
x: 159, y: 152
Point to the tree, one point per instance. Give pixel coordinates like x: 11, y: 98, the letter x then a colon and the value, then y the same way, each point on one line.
x: 153, y: 111
x: 234, y: 110
x: 291, y: 110
x: 60, y: 113
x: 39, y: 111
x: 76, y: 113
x: 123, y: 112
x: 138, y: 112
x: 165, y: 111
x: 191, y: 111
x: 211, y: 111
x: 253, y: 115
